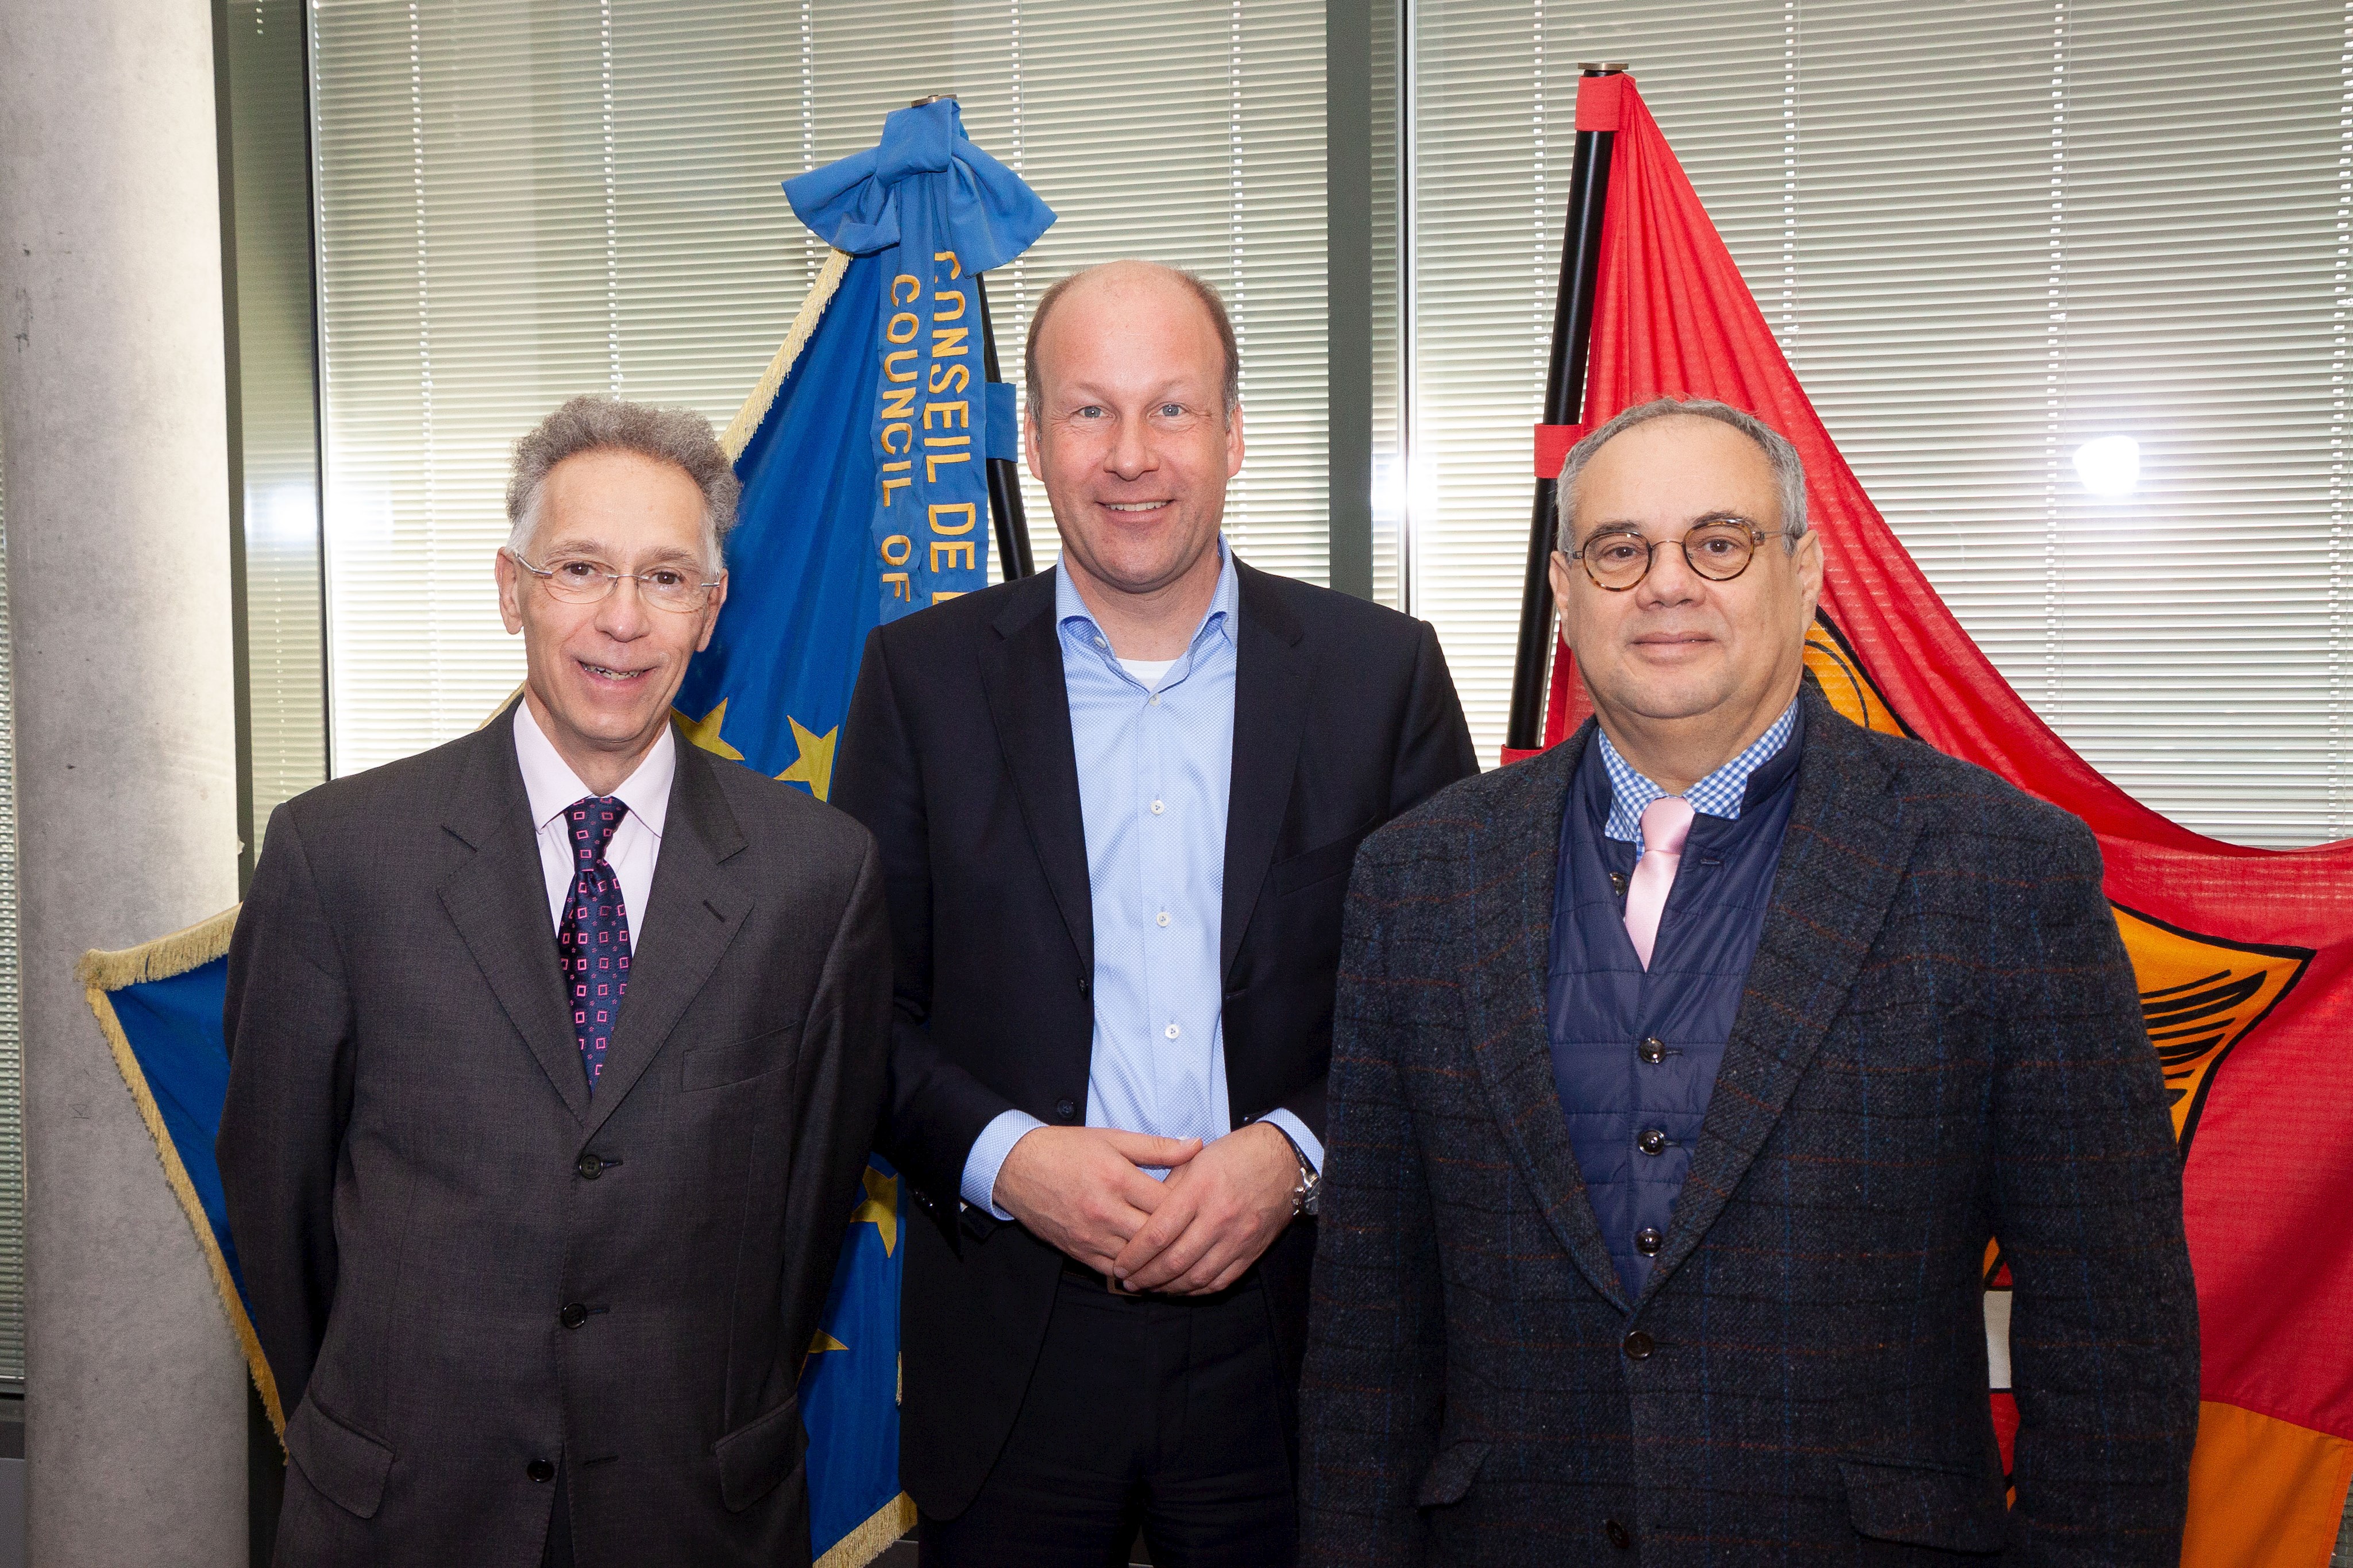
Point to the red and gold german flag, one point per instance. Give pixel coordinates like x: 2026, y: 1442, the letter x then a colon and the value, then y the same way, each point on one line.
x: 2244, y: 956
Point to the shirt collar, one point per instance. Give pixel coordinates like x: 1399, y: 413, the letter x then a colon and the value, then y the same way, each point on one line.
x: 1071, y: 612
x: 552, y: 787
x: 1721, y: 794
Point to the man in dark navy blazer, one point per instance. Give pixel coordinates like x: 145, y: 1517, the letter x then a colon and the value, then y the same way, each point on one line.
x: 1681, y: 1076
x: 1117, y: 803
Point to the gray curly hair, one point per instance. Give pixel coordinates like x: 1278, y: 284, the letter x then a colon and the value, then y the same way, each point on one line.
x: 1789, y: 468
x: 678, y: 437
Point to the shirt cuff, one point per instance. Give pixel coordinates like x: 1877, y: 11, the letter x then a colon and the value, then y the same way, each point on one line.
x: 1307, y: 1142
x: 988, y: 1157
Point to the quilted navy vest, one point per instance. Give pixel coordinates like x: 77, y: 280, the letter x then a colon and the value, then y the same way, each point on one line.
x: 1635, y: 1054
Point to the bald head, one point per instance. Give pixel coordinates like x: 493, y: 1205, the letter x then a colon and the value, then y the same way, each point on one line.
x: 1136, y: 286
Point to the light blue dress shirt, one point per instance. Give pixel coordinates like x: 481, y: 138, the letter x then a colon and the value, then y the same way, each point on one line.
x: 1155, y: 768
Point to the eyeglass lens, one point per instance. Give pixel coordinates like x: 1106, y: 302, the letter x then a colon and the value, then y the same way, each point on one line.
x: 1717, y: 551
x: 577, y: 580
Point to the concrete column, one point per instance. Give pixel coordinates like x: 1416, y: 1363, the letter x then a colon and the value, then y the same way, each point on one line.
x: 113, y: 409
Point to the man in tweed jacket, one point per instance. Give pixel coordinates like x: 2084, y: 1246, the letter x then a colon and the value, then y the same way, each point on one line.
x: 1658, y: 1204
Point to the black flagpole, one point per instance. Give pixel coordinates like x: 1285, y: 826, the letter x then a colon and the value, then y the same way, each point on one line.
x: 1013, y: 558
x: 1572, y: 335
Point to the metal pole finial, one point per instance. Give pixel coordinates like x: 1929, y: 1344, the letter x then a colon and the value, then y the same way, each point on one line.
x: 1605, y: 68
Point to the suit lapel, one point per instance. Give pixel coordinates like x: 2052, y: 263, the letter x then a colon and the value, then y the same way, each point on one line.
x: 1516, y: 866
x: 694, y: 911
x: 1274, y: 681
x: 1022, y: 673
x: 497, y: 900
x: 1843, y: 857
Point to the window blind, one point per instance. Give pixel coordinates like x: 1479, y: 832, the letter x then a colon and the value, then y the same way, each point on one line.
x: 519, y: 205
x: 12, y: 1040
x: 1988, y: 235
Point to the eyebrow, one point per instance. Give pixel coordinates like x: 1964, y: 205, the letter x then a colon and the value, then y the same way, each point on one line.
x: 660, y: 555
x: 1627, y: 525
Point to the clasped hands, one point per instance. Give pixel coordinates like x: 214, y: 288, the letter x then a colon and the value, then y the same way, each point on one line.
x: 1084, y: 1190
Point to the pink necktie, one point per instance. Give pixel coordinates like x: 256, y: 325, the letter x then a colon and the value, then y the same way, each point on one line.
x: 1666, y: 823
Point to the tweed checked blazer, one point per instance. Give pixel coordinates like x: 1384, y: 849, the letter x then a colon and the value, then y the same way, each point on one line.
x: 464, y: 1267
x: 1939, y: 1042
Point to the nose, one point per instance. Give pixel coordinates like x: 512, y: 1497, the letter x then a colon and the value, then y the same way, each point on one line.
x: 1671, y: 580
x: 1131, y: 455
x: 623, y: 615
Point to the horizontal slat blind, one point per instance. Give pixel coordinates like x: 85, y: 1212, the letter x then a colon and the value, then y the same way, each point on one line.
x: 519, y: 205
x: 1987, y: 234
x: 1192, y: 135
x: 12, y: 1041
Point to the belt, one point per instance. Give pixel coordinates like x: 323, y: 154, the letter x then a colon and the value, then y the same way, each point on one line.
x: 1077, y: 1274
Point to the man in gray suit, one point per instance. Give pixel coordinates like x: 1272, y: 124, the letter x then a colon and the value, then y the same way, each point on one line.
x: 1681, y: 1077
x: 554, y: 1055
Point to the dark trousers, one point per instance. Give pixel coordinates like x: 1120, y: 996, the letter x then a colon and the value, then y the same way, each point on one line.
x: 1145, y: 1414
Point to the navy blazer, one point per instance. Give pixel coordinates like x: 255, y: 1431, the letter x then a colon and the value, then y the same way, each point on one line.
x: 1939, y: 1042
x: 957, y: 754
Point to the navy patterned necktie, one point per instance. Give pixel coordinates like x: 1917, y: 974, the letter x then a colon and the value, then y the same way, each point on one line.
x: 595, y: 942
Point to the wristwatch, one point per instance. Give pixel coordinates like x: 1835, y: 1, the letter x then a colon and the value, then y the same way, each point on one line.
x: 1308, y: 1192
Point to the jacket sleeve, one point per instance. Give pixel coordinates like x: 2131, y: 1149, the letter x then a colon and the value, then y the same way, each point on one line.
x: 1433, y: 750
x: 843, y: 1068
x: 2087, y: 1208
x: 1373, y: 1391
x: 1436, y: 749
x: 935, y: 1110
x: 289, y: 1024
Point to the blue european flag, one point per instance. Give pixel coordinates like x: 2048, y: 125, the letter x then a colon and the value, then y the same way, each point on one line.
x: 159, y: 1005
x: 864, y: 457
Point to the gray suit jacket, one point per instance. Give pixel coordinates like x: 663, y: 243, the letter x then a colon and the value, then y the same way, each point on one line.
x: 1939, y: 1043
x: 465, y: 1269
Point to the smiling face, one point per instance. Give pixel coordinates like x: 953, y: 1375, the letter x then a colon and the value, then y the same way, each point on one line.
x: 1706, y: 664
x: 1128, y: 432
x: 601, y: 675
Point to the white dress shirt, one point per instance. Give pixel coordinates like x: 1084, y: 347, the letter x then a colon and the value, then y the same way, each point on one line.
x: 552, y: 788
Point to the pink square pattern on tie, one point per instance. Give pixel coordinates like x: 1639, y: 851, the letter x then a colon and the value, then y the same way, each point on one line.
x: 594, y: 944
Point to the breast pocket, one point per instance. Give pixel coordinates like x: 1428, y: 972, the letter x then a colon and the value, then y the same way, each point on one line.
x: 738, y: 1062
x: 1318, y: 866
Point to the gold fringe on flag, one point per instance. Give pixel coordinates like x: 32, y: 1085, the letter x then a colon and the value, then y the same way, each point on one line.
x: 101, y: 973
x: 740, y: 430
x: 874, y: 1538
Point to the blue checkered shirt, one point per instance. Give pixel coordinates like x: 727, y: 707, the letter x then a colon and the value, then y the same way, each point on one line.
x: 1718, y: 795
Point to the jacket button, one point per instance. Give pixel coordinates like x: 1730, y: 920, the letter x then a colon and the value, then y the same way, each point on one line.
x: 1652, y: 1050
x: 1620, y: 1536
x: 1651, y: 1142
x: 540, y: 1470
x: 1639, y: 1346
x: 1083, y: 984
x: 590, y: 1167
x: 1066, y: 1109
x: 1647, y: 1239
x: 573, y: 1315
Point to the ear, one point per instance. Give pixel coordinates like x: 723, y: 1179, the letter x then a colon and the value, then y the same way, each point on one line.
x: 711, y: 613
x: 1031, y: 437
x: 1808, y: 563
x: 1234, y: 441
x: 509, y: 593
x: 1564, y: 585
